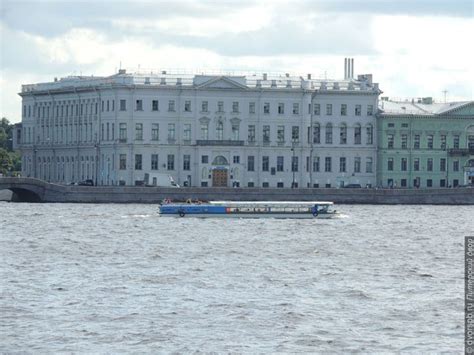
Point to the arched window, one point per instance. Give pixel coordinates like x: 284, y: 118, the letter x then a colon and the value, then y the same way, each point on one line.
x: 220, y: 130
x: 220, y: 160
x: 329, y: 133
x: 343, y: 134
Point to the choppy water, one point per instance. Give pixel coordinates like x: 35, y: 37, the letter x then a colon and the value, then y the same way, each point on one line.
x: 117, y: 278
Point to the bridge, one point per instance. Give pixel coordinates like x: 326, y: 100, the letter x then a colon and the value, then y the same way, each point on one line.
x: 36, y: 190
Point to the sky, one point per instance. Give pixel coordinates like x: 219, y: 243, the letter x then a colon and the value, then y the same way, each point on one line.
x: 414, y: 48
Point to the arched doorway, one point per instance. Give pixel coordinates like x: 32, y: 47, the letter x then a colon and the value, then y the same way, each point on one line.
x: 220, y: 171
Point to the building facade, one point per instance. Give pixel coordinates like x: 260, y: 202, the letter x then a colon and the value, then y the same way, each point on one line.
x: 203, y: 130
x: 425, y: 144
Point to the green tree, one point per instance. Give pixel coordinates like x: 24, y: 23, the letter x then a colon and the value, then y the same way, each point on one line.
x: 6, y: 163
x: 6, y: 133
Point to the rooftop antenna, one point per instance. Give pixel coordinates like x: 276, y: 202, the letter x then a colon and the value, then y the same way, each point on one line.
x: 445, y: 92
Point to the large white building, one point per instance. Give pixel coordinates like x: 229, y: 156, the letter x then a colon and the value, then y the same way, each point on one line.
x: 204, y: 130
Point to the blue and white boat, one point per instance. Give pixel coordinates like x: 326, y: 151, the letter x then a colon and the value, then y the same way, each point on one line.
x: 249, y: 209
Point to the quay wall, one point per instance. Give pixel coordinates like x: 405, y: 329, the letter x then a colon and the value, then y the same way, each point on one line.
x: 28, y: 189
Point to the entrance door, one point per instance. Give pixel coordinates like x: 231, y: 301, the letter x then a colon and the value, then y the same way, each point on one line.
x: 219, y: 178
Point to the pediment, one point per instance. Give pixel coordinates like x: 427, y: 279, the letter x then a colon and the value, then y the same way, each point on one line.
x: 223, y: 82
x: 466, y: 109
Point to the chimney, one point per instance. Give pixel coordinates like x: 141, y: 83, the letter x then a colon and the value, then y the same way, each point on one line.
x: 352, y: 68
x: 309, y: 76
x: 264, y: 76
x: 345, y: 68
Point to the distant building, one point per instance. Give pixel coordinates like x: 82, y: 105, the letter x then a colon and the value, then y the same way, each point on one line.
x: 204, y: 130
x: 425, y: 144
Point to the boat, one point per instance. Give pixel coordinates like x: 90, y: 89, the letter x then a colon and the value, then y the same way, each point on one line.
x: 248, y: 209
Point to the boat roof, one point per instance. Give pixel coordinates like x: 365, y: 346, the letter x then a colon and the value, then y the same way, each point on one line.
x: 271, y: 203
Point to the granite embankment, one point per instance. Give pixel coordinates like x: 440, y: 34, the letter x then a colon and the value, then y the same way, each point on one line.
x: 27, y: 189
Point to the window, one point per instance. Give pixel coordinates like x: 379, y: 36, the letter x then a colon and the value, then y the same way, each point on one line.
x: 123, y: 105
x: 220, y: 106
x: 281, y: 134
x: 251, y: 163
x: 123, y: 162
x: 430, y: 141
x: 443, y: 141
x: 429, y: 183
x: 370, y: 110
x: 403, y: 182
x: 442, y: 183
x: 442, y: 164
x: 327, y: 164
x: 154, y: 162
x: 404, y: 125
x: 281, y: 108
x: 236, y: 159
x: 235, y: 131
x: 265, y: 163
x: 404, y: 141
x: 343, y: 134
x: 204, y: 184
x: 416, y: 142
x: 390, y: 164
x: 329, y: 133
x: 186, y: 162
x: 204, y: 159
x: 139, y: 131
x: 108, y: 106
x: 317, y: 109
x: 404, y: 164
x: 294, y: 164
x: 187, y: 132
x: 155, y: 132
x: 429, y: 166
x: 154, y: 105
x: 139, y: 105
x: 296, y: 108
x: 266, y: 107
x: 251, y: 134
x: 316, y: 164
x: 391, y: 125
x: 456, y: 165
x: 328, y: 109
x: 280, y: 163
x: 204, y: 131
x: 251, y: 107
x: 416, y: 164
x: 370, y: 135
x: 220, y: 130
x: 266, y: 134
x: 343, y: 110
x: 123, y: 132
x: 170, y: 162
x: 358, y: 110
x: 171, y: 106
x: 235, y: 107
x: 171, y: 132
x: 368, y: 165
x: 316, y: 134
x: 265, y: 184
x: 390, y: 140
x: 456, y: 142
x: 342, y: 164
x: 187, y: 106
x: 295, y: 134
x: 357, y: 134
x: 138, y: 162
x: 357, y: 165
x: 204, y: 106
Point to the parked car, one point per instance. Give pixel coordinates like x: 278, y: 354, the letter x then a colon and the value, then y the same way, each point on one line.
x: 352, y: 186
x: 87, y: 182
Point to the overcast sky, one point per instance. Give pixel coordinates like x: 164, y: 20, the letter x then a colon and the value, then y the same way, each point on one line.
x: 413, y: 47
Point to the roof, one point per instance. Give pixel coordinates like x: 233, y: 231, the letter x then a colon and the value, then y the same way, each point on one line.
x: 422, y: 109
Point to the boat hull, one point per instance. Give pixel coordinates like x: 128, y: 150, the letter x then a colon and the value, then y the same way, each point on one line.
x: 253, y: 216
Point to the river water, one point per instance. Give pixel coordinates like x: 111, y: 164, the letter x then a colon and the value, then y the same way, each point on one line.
x: 108, y: 278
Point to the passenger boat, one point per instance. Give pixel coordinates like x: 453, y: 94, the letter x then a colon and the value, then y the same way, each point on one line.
x: 248, y: 209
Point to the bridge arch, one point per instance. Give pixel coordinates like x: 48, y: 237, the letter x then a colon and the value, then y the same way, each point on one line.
x: 24, y: 189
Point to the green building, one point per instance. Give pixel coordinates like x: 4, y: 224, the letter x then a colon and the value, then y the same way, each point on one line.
x: 425, y: 144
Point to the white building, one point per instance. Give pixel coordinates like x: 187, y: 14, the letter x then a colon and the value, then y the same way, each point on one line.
x: 204, y: 130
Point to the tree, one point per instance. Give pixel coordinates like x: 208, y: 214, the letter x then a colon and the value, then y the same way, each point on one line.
x: 6, y: 163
